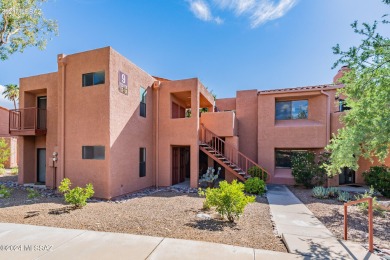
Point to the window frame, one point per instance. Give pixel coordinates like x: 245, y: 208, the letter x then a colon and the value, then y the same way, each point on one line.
x: 142, y: 103
x: 290, y: 151
x: 85, y: 153
x: 291, y: 109
x: 142, y: 162
x: 95, y: 81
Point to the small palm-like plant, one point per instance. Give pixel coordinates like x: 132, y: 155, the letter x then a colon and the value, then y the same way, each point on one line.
x: 11, y: 93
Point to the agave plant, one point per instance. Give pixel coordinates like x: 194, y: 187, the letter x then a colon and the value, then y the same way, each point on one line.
x: 320, y: 192
x: 344, y: 196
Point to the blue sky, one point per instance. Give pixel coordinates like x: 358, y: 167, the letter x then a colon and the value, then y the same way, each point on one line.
x: 229, y: 44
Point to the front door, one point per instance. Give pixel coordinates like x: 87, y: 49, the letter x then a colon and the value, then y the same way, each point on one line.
x: 42, y: 104
x: 347, y: 176
x: 180, y: 164
x: 41, y: 165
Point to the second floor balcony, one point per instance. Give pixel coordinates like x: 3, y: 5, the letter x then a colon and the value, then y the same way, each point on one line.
x: 221, y: 123
x: 27, y: 121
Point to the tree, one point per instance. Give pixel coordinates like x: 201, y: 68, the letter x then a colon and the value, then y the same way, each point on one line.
x: 22, y: 25
x: 4, y: 152
x: 11, y: 92
x: 366, y: 131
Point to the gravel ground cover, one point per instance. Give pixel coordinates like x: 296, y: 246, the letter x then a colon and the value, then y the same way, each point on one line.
x: 331, y: 214
x: 166, y: 213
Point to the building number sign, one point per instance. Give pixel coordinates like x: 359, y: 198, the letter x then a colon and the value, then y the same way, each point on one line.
x: 123, y: 83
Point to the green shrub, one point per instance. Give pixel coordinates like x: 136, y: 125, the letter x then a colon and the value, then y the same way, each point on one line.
x: 364, y: 205
x: 2, y: 170
x: 379, y: 178
x: 255, y: 186
x: 229, y: 199
x: 4, y: 152
x: 32, y: 194
x: 14, y: 170
x: 77, y: 196
x: 255, y: 171
x: 4, y: 192
x: 306, y: 171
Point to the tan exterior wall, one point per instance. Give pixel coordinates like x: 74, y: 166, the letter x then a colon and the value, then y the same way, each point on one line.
x: 128, y: 130
x: 220, y: 123
x: 86, y: 120
x: 177, y: 131
x: 274, y: 134
x: 246, y: 112
x: 30, y: 89
x: 226, y: 104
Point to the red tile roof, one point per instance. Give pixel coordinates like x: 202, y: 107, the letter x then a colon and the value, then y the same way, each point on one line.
x: 301, y: 89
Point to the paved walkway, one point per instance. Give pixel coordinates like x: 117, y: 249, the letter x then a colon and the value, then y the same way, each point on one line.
x: 303, y: 233
x: 34, y: 242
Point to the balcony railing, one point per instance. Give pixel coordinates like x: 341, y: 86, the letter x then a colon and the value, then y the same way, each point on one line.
x: 27, y: 121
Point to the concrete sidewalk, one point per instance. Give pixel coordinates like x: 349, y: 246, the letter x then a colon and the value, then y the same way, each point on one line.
x: 303, y: 233
x: 34, y: 242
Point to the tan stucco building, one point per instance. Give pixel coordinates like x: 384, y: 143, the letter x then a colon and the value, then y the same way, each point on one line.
x: 103, y: 120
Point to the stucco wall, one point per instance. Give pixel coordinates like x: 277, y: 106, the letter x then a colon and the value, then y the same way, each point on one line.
x: 226, y: 104
x: 87, y: 120
x: 30, y: 89
x: 128, y: 130
x: 177, y: 131
x: 247, y: 116
x: 220, y: 123
x: 289, y: 134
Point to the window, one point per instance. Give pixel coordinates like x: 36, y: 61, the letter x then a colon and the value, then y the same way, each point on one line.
x: 142, y: 162
x: 93, y: 152
x: 283, y: 158
x: 343, y: 106
x: 95, y: 78
x: 142, y: 104
x: 285, y: 110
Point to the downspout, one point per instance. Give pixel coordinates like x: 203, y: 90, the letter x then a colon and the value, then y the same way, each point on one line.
x: 158, y: 83
x: 61, y: 60
x: 327, y: 116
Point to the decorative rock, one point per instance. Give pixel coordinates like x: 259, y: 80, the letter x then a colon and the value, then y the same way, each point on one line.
x: 203, y: 216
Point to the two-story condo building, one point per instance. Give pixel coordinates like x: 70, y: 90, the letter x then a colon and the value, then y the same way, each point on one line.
x: 103, y: 120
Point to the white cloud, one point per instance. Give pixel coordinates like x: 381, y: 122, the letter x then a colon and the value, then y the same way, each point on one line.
x: 202, y: 11
x: 267, y: 11
x: 258, y: 11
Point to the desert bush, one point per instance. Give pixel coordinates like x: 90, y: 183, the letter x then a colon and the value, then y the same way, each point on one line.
x: 4, y: 192
x: 255, y: 186
x: 229, y: 199
x: 379, y: 178
x: 4, y: 153
x: 306, y: 171
x: 255, y: 171
x: 14, y: 170
x: 364, y: 205
x: 77, y: 196
x: 32, y: 194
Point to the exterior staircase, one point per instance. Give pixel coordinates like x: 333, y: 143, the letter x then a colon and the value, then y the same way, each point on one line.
x: 228, y: 156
